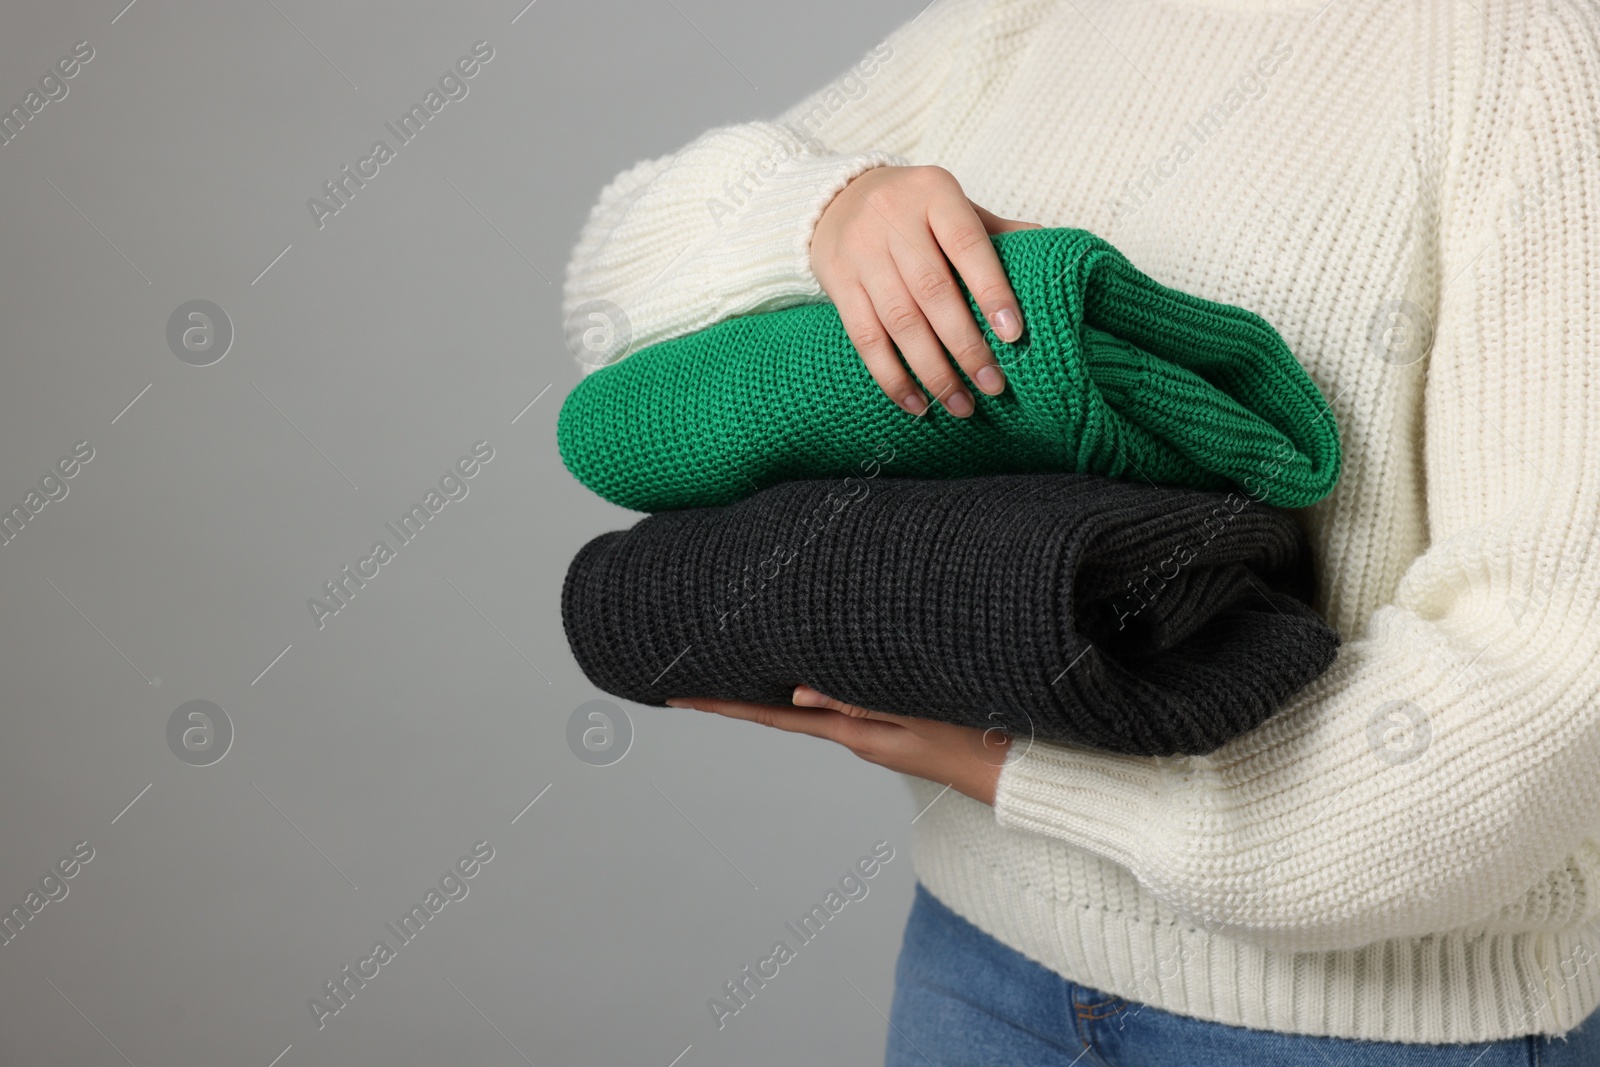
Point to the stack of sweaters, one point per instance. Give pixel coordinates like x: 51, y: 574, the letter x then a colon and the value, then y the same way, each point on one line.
x: 1096, y: 556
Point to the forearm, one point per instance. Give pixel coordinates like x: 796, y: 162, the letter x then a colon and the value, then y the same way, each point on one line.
x: 1318, y: 831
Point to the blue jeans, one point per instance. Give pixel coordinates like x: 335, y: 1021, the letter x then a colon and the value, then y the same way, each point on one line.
x: 963, y: 998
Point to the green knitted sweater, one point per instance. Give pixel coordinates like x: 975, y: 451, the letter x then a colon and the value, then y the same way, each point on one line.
x: 1115, y: 375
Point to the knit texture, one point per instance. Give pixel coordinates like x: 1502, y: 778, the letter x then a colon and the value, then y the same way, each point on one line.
x: 1410, y: 194
x: 1116, y: 375
x: 1062, y: 607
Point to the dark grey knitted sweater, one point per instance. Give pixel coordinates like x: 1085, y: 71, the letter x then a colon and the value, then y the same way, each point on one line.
x: 1065, y: 607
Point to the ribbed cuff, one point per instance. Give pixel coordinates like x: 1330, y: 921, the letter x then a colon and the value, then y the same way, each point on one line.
x: 765, y: 251
x: 1106, y: 803
x: 727, y: 232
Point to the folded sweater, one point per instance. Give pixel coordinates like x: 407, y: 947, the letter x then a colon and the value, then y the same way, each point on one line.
x: 1065, y: 607
x: 1116, y: 375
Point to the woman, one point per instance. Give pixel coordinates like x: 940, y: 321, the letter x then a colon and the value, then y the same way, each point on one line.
x: 1401, y: 868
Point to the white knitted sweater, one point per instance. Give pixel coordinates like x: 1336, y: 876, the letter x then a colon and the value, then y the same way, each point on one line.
x: 1410, y: 193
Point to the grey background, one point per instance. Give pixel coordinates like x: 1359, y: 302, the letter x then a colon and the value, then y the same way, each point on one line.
x: 424, y: 716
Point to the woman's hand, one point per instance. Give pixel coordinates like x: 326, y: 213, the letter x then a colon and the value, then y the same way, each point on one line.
x: 883, y: 250
x: 963, y: 757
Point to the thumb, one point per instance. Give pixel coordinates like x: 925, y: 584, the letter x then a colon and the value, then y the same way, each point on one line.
x: 806, y: 697
x: 995, y: 224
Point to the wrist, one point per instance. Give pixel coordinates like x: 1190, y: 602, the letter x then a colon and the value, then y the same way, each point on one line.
x: 820, y: 236
x: 980, y: 779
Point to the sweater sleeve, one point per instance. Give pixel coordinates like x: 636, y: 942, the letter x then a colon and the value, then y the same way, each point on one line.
x: 723, y: 226
x: 1443, y: 774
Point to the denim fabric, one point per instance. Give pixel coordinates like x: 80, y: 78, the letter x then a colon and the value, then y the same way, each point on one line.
x: 963, y: 998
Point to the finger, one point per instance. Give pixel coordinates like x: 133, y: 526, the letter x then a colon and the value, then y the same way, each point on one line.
x: 998, y: 224
x: 824, y: 723
x: 900, y: 313
x: 807, y: 697
x: 792, y: 720
x: 877, y: 351
x: 945, y: 306
x: 975, y: 260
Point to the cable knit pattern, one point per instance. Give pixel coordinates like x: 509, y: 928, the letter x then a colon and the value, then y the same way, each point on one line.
x: 1063, y: 607
x: 1116, y: 375
x: 1410, y: 194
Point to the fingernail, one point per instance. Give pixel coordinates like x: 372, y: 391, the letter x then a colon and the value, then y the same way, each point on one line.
x: 959, y: 404
x: 675, y: 703
x: 990, y: 380
x: 914, y: 404
x: 1006, y: 325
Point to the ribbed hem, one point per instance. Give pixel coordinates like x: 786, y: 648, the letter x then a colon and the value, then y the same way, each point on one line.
x: 1447, y: 988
